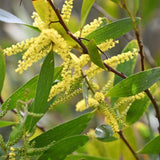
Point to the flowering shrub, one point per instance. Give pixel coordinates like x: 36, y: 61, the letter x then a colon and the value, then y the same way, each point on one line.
x: 121, y: 101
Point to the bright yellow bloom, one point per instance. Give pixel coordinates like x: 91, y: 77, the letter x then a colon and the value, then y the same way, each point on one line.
x: 99, y: 97
x: 81, y: 105
x: 66, y: 10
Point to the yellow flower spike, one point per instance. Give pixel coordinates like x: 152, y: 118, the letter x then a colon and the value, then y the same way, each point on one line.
x: 19, y: 47
x: 87, y: 29
x: 66, y: 10
x: 99, y: 97
x: 108, y: 44
x: 81, y: 105
x: 111, y: 118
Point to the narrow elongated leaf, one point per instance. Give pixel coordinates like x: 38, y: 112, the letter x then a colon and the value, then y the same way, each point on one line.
x: 127, y: 67
x: 152, y: 147
x: 73, y: 127
x: 43, y: 88
x: 111, y: 31
x: 136, y: 83
x: 137, y: 109
x: 6, y: 123
x: 64, y: 147
x: 2, y: 70
x: 136, y: 6
x: 85, y: 157
x: 85, y: 93
x: 9, y: 18
x: 86, y: 7
x: 25, y: 93
x: 94, y: 55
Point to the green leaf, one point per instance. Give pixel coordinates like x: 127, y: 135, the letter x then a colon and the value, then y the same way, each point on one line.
x: 6, y: 123
x: 85, y: 157
x: 9, y: 18
x: 136, y: 83
x: 136, y: 110
x: 111, y: 31
x: 43, y: 89
x: 104, y: 133
x: 115, y: 1
x: 152, y: 147
x: 94, y: 55
x: 73, y: 127
x: 127, y: 67
x: 85, y: 93
x: 25, y: 93
x: 2, y: 70
x: 64, y: 147
x: 136, y: 6
x: 86, y: 7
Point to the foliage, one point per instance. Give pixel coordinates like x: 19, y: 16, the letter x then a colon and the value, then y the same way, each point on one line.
x: 118, y: 102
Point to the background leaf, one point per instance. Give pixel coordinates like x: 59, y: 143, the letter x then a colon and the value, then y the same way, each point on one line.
x: 73, y: 127
x: 94, y: 55
x: 86, y: 7
x: 85, y: 92
x: 152, y: 147
x: 6, y: 123
x: 43, y: 88
x: 64, y: 147
x: 25, y: 93
x: 136, y: 83
x: 111, y: 31
x: 9, y: 18
x: 2, y: 70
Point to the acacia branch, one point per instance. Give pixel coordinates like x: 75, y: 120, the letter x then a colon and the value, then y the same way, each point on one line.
x: 141, y: 52
x: 86, y: 51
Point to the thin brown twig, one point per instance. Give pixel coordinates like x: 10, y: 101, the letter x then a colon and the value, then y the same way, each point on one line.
x: 86, y: 51
x: 129, y: 146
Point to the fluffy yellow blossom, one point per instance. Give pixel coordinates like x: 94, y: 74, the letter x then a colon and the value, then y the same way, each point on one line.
x: 81, y: 105
x: 99, y: 97
x: 110, y: 116
x: 138, y: 96
x: 108, y: 44
x: 66, y: 10
x: 87, y: 29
